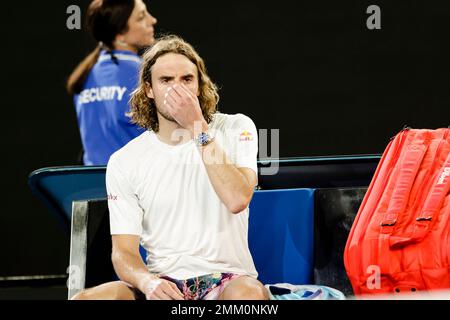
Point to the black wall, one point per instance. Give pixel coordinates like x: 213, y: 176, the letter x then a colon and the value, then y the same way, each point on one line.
x: 310, y: 68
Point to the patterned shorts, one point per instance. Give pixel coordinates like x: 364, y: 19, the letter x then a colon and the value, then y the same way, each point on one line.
x: 207, y: 287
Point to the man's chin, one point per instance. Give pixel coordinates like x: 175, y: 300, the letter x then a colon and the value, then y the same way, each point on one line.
x: 167, y: 117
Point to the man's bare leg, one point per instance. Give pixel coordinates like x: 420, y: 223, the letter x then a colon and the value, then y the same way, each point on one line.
x: 116, y: 290
x: 244, y: 288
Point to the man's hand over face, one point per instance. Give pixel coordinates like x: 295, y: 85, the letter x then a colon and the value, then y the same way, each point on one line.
x: 184, y: 107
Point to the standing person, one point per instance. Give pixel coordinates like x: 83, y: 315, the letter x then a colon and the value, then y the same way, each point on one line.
x: 181, y: 189
x: 103, y: 81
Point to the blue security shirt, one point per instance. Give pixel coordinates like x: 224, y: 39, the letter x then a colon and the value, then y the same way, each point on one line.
x: 102, y: 105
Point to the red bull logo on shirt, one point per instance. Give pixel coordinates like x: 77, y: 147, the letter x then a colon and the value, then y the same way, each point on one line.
x: 246, y: 136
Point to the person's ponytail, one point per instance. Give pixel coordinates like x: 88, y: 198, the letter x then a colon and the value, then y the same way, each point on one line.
x: 76, y: 80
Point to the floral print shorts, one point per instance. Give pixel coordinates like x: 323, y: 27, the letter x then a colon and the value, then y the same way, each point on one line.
x: 206, y: 287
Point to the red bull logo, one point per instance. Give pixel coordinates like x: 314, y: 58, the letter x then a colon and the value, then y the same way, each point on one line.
x: 246, y: 136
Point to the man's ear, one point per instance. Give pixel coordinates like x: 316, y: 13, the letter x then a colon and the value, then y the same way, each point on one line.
x: 149, y: 91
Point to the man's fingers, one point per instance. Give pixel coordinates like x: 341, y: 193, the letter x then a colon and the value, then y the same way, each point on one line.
x: 173, y: 295
x: 172, y: 94
x: 169, y: 107
x: 172, y: 292
x: 176, y: 290
x: 175, y: 91
x: 187, y: 91
x: 169, y: 99
x: 178, y: 90
x: 180, y: 95
x: 153, y: 297
x: 161, y: 295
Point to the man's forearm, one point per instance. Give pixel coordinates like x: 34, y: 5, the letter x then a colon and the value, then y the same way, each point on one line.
x: 230, y: 184
x: 131, y: 269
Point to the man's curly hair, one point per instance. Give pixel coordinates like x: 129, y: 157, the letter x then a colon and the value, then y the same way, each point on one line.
x: 143, y: 109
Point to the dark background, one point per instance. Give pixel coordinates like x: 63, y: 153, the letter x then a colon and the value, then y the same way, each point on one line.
x: 309, y: 68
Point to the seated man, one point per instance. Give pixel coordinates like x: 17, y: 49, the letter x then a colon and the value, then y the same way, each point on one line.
x: 181, y: 189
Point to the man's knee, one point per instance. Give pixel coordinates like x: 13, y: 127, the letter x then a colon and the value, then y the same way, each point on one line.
x: 245, y: 288
x: 117, y: 290
x: 82, y: 295
x: 252, y: 292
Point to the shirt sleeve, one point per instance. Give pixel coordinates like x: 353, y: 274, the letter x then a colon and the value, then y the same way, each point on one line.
x: 125, y: 213
x: 243, y: 142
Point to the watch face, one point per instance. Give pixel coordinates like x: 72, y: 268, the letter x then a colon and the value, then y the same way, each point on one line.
x: 203, y: 138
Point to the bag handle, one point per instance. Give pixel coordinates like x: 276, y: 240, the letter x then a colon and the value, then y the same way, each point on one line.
x: 409, y: 166
x: 433, y: 202
x: 409, y: 162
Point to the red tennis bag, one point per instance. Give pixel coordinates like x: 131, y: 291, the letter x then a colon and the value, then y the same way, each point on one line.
x: 399, y: 241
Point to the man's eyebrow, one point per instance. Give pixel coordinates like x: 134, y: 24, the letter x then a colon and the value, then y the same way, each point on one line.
x: 165, y: 77
x: 189, y: 74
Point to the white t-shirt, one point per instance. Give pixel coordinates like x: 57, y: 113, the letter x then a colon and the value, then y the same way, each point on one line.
x: 163, y: 194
